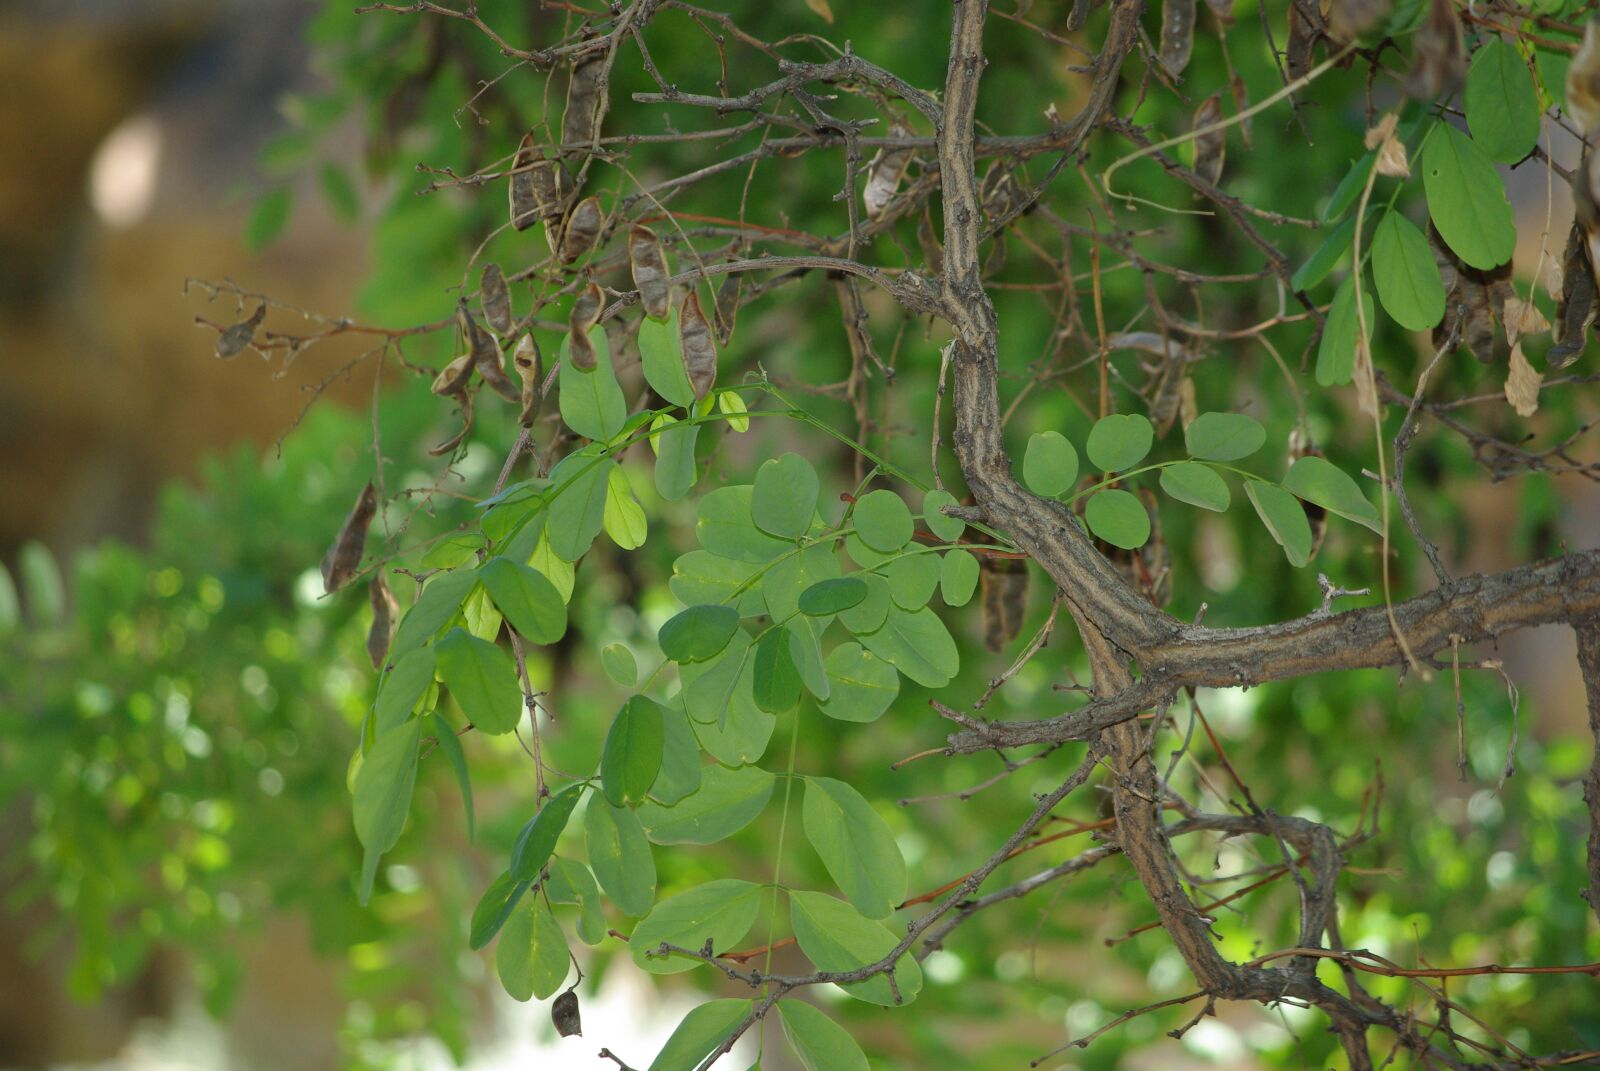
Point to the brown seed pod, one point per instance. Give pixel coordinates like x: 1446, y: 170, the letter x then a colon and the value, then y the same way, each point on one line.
x: 529, y: 363
x: 725, y: 309
x: 884, y: 173
x: 536, y: 186
x: 586, y: 104
x: 1221, y: 10
x: 385, y: 615
x: 583, y: 229
x: 699, y: 351
x: 454, y: 376
x: 564, y: 1014
x: 1575, y: 311
x: 585, y: 314
x: 485, y: 355
x: 466, y: 425
x: 1004, y: 584
x: 233, y: 341
x: 1211, y: 147
x: 649, y: 266
x: 1241, y: 104
x: 494, y: 297
x: 1440, y: 63
x: 1303, y: 33
x: 1177, y: 34
x: 344, y: 556
x: 1349, y: 19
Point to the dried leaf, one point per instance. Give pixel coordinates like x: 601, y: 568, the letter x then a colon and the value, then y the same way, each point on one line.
x: 725, y: 309
x: 585, y: 314
x: 932, y: 250
x: 1188, y: 405
x: 1576, y: 308
x: 1004, y: 583
x: 888, y: 166
x: 1222, y: 11
x: 385, y: 615
x: 821, y: 9
x: 233, y: 341
x: 1349, y: 19
x: 1177, y: 34
x: 1522, y: 385
x: 1079, y: 14
x: 466, y: 425
x: 454, y: 376
x: 1440, y: 63
x: 586, y: 104
x: 1479, y: 297
x: 494, y: 297
x: 699, y: 351
x: 999, y: 192
x: 1583, y: 82
x: 344, y: 556
x: 1365, y: 382
x: 1523, y: 318
x: 583, y: 229
x: 649, y: 266
x: 485, y: 355
x: 1241, y: 106
x: 1210, y: 146
x: 564, y: 1014
x: 1303, y: 33
x: 996, y: 260
x: 529, y: 363
x: 1392, y: 161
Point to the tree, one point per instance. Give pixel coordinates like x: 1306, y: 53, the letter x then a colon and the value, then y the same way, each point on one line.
x: 1061, y: 338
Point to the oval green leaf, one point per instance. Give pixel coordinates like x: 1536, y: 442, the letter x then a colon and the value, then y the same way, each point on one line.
x: 1196, y: 484
x: 698, y: 633
x: 1049, y: 464
x: 882, y: 521
x: 1223, y: 436
x: 862, y: 684
x: 1284, y: 517
x: 1467, y: 199
x: 1119, y: 441
x: 784, y: 498
x: 529, y: 601
x: 1501, y: 102
x: 832, y: 596
x: 820, y: 1043
x: 632, y: 755
x: 719, y: 912
x: 855, y: 845
x: 1119, y: 518
x: 537, y: 841
x: 726, y: 802
x: 483, y: 681
x: 1405, y: 275
x: 1323, y: 483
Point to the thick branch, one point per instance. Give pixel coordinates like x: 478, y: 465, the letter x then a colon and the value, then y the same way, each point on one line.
x: 1588, y: 631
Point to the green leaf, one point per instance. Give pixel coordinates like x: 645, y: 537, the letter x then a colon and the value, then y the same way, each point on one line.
x: 591, y: 402
x: 1049, y: 464
x: 1284, y: 517
x: 461, y: 549
x: 620, y: 665
x: 784, y: 498
x: 537, y: 841
x: 836, y: 937
x: 1119, y: 518
x: 776, y: 682
x: 1196, y: 484
x: 1501, y: 102
x: 945, y: 527
x: 339, y: 191
x: 958, y: 577
x: 623, y: 518
x: 1349, y: 189
x: 1466, y: 198
x: 479, y: 616
x: 483, y: 681
x: 698, y: 633
x: 632, y: 755
x: 1405, y: 275
x: 700, y: 1033
x: 832, y: 596
x: 870, y: 613
x: 1319, y: 481
x: 719, y: 698
x: 450, y: 745
x: 440, y: 601
x: 1119, y: 441
x: 1336, y: 353
x: 680, y: 757
x: 402, y: 686
x: 702, y: 577
x: 796, y: 573
x: 720, y: 912
x: 529, y: 601
x: 676, y: 470
x: 917, y: 644
x: 661, y: 355
x: 571, y: 883
x: 620, y: 855
x: 820, y: 1043
x: 855, y: 845
x: 726, y: 802
x: 494, y: 908
x: 1326, y: 258
x: 882, y: 521
x: 863, y: 685
x: 913, y: 578
x: 268, y: 218
x: 732, y: 405
x: 383, y: 796
x: 724, y: 527
x: 531, y: 958
x: 10, y: 608
x: 1223, y: 436
x: 580, y: 486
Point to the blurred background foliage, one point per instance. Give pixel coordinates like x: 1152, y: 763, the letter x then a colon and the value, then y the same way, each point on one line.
x: 178, y: 706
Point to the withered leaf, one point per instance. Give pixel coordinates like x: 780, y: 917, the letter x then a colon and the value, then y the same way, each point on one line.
x: 1004, y: 585
x: 1392, y: 161
x: 1349, y: 19
x: 583, y: 229
x: 585, y: 314
x: 385, y: 615
x: 233, y: 341
x: 1478, y: 295
x: 344, y: 556
x: 1079, y: 14
x: 649, y: 266
x: 1440, y: 62
x: 1241, y: 105
x: 1304, y: 30
x: 884, y: 173
x: 1210, y: 146
x: 999, y: 193
x: 1583, y: 82
x: 821, y: 9
x: 529, y: 363
x: 699, y: 351
x: 1575, y: 311
x: 494, y: 297
x: 1177, y: 34
x: 1522, y: 384
x: 995, y: 262
x: 454, y: 376
x: 564, y: 1014
x: 1221, y: 10
x: 586, y: 104
x: 725, y: 309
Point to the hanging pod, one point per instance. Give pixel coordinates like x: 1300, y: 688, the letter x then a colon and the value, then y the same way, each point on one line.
x: 649, y: 264
x: 344, y: 556
x: 233, y: 341
x: 585, y: 314
x: 583, y: 229
x: 485, y: 355
x: 529, y: 363
x: 494, y: 298
x: 586, y: 102
x: 385, y: 615
x: 699, y: 351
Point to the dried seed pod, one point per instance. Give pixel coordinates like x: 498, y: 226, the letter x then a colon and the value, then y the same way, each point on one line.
x: 1440, y: 63
x: 999, y: 192
x: 582, y: 230
x: 1303, y: 33
x: 1221, y: 10
x: 1241, y: 106
x: 494, y: 297
x: 1583, y: 82
x: 585, y: 314
x: 529, y: 363
x: 1177, y: 35
x: 1575, y: 311
x: 233, y: 341
x: 725, y: 309
x: 586, y: 104
x: 344, y: 556
x: 385, y: 615
x: 932, y: 250
x: 1210, y: 146
x: 485, y: 355
x: 1349, y: 19
x: 1079, y: 14
x: 888, y: 166
x: 466, y: 425
x: 699, y: 351
x: 564, y: 1014
x: 649, y: 266
x: 1004, y: 584
x: 524, y: 200
x: 454, y: 376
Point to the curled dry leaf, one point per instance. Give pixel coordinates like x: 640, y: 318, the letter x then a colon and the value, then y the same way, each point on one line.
x: 725, y: 309
x: 649, y: 266
x: 1241, y: 106
x: 466, y: 425
x: 1575, y: 309
x: 884, y: 173
x: 821, y: 9
x: 583, y: 229
x: 454, y: 376
x: 1221, y: 10
x: 1365, y: 381
x: 529, y: 363
x: 585, y: 314
x: 1479, y: 297
x: 1210, y: 146
x: 1177, y: 34
x: 1304, y: 29
x: 1522, y: 385
x: 1440, y: 63
x: 1349, y: 19
x: 565, y: 1016
x: 385, y: 615
x: 344, y: 556
x: 586, y: 104
x: 1523, y: 318
x: 494, y: 297
x: 1188, y: 405
x: 1392, y: 161
x: 699, y: 351
x: 1004, y: 584
x: 1583, y: 82
x: 485, y: 355
x: 1079, y: 14
x: 233, y: 341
